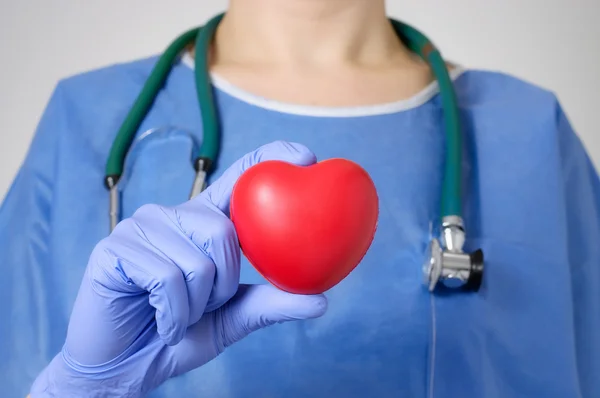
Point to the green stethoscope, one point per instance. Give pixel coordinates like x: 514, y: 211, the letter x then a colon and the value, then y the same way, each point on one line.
x: 446, y: 261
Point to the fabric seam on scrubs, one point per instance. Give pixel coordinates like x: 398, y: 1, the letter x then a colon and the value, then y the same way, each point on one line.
x: 324, y: 111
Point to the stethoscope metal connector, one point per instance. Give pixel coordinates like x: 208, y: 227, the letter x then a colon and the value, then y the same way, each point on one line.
x: 449, y: 264
x: 201, y: 165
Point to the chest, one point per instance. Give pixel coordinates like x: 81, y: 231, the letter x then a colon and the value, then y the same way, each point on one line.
x: 380, y: 312
x: 402, y: 152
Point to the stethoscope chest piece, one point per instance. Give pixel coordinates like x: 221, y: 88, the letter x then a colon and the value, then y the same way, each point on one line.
x: 446, y: 263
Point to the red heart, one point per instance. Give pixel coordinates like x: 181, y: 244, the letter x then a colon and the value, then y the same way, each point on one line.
x: 305, y: 228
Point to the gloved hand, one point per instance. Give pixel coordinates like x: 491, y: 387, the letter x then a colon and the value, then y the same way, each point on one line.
x: 161, y: 296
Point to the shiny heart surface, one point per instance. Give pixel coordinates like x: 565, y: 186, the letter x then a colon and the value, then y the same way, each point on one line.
x: 305, y: 228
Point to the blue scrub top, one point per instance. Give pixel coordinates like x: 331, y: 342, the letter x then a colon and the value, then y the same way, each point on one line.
x: 531, y: 203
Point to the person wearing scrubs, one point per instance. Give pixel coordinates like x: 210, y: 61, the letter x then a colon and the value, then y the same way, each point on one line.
x: 166, y: 305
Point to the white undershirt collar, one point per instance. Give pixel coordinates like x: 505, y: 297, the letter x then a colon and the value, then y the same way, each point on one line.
x: 323, y: 111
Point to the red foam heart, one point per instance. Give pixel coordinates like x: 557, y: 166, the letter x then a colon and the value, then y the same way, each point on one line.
x: 305, y: 228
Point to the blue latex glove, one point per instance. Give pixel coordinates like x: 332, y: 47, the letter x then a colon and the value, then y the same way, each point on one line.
x: 161, y: 296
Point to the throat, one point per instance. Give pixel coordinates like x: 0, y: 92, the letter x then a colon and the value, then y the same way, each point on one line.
x: 348, y: 86
x: 334, y: 53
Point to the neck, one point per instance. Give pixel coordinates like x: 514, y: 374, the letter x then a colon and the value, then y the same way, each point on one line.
x: 307, y: 33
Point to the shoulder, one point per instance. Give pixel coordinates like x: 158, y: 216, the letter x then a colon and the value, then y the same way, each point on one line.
x: 85, y: 110
x: 509, y: 101
x: 111, y: 81
x: 476, y: 87
x: 498, y: 105
x: 487, y: 90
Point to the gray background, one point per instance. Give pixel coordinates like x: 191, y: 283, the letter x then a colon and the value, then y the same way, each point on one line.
x: 552, y: 43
